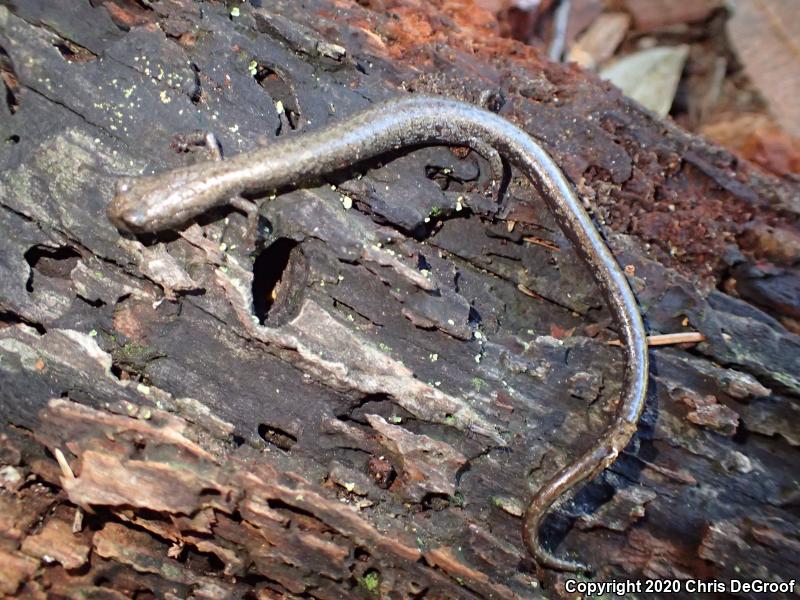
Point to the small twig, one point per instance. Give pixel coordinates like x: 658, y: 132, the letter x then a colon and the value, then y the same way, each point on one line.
x: 66, y: 471
x: 560, y: 22
x: 542, y: 242
x: 666, y: 339
x: 528, y: 292
x: 77, y: 521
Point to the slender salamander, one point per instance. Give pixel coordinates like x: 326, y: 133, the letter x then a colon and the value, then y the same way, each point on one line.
x: 168, y: 200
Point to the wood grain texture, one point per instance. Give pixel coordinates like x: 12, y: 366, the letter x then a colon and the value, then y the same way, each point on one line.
x: 333, y: 443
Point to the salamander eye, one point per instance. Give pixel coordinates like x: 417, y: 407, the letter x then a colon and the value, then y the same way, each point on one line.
x: 135, y: 218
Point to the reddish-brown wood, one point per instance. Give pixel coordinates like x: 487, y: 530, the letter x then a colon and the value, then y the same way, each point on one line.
x: 425, y: 358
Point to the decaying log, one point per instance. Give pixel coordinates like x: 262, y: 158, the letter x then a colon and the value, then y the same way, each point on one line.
x: 360, y: 402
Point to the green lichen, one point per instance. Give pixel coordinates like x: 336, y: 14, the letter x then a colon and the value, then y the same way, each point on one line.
x: 134, y: 356
x: 477, y: 383
x: 371, y: 582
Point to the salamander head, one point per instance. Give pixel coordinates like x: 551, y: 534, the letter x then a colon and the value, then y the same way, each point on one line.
x: 140, y: 205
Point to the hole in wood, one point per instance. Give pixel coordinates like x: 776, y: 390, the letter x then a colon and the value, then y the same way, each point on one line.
x: 361, y: 554
x: 435, y: 501
x: 276, y: 436
x: 98, y: 303
x: 278, y: 89
x: 381, y: 471
x: 196, y: 95
x: 10, y: 318
x: 741, y: 435
x: 207, y: 561
x: 72, y: 52
x: 10, y: 81
x: 50, y: 262
x: 279, y: 279
x: 277, y: 504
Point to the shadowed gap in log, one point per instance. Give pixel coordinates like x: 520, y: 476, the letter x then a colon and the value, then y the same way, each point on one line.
x: 279, y: 89
x: 276, y: 436
x: 10, y: 81
x: 50, y: 262
x: 279, y: 277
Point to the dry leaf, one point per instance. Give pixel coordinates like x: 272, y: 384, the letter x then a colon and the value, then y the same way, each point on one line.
x: 649, y: 15
x: 598, y: 43
x: 582, y: 14
x: 766, y: 37
x: 757, y: 138
x: 650, y: 76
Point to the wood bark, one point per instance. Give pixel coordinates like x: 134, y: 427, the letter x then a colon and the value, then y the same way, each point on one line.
x: 361, y: 402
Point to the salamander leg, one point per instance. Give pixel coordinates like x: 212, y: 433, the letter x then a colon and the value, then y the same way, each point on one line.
x: 185, y: 141
x: 250, y: 209
x: 214, y: 148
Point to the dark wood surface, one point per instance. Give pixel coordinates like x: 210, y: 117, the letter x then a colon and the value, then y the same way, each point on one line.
x: 417, y: 359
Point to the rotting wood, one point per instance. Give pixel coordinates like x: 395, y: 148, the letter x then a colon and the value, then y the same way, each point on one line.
x: 284, y: 463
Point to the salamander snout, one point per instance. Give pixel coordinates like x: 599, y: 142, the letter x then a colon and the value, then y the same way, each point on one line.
x: 124, y: 212
x: 132, y: 219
